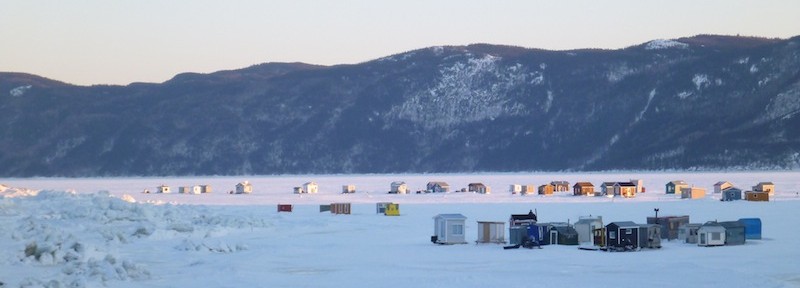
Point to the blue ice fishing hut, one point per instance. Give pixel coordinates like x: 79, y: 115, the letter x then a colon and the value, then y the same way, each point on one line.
x: 752, y: 228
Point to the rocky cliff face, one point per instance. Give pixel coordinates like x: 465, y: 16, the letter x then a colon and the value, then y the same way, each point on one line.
x: 706, y: 102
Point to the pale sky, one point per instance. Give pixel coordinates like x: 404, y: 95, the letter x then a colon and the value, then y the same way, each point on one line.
x: 122, y: 41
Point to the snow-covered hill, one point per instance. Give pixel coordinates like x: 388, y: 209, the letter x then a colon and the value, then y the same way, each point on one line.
x: 697, y: 103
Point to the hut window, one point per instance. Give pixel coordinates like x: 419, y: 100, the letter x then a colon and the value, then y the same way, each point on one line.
x: 628, y: 231
x: 458, y: 229
x: 715, y: 236
x: 612, y: 235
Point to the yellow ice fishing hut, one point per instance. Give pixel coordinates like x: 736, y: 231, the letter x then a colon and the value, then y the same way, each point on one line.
x: 392, y: 209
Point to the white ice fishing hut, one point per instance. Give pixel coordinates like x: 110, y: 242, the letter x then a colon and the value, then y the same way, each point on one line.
x: 449, y: 229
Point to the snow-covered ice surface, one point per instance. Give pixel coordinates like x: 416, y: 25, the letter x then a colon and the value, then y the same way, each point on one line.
x: 88, y: 238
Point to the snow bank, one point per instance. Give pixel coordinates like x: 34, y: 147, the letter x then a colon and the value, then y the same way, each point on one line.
x: 62, y: 239
x: 11, y: 192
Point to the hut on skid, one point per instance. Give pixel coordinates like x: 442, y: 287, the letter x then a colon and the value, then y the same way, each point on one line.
x: 752, y: 227
x: 284, y: 207
x: 756, y: 196
x: 768, y: 187
x: 491, y: 232
x: 585, y: 227
x: 622, y: 235
x: 437, y: 187
x: 449, y: 229
x: 688, y: 232
x: 479, y: 188
x: 731, y: 194
x: 563, y: 235
x: 625, y: 189
x: 670, y: 225
x: 393, y: 209
x: 348, y: 189
x: 528, y: 189
x: 522, y: 227
x: 639, y: 185
x: 340, y: 208
x: 607, y: 188
x: 711, y: 234
x: 650, y: 236
x: 205, y: 188
x: 244, y: 187
x: 721, y: 186
x: 311, y: 187
x: 515, y: 188
x: 189, y: 189
x: 398, y: 187
x: 560, y: 186
x: 380, y: 207
x: 692, y: 193
x: 583, y: 189
x: 674, y: 187
x: 546, y: 189
x: 734, y: 232
x: 163, y: 189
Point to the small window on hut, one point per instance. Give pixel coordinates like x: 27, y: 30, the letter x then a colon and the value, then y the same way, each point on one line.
x: 458, y: 229
x: 628, y: 231
x: 715, y: 236
x: 612, y: 235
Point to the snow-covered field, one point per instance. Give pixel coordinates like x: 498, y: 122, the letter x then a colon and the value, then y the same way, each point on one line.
x: 84, y: 237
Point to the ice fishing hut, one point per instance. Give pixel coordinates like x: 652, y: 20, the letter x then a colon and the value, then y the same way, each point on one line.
x: 622, y: 235
x: 585, y: 226
x: 205, y: 189
x: 449, y: 229
x: 340, y: 208
x: 348, y: 189
x: 284, y: 207
x: 563, y: 235
x: 479, y: 188
x: 380, y: 207
x: 491, y: 232
x: 731, y: 194
x: 756, y: 196
x: 688, y: 232
x: 711, y: 234
x: 312, y: 187
x: 163, y: 189
x: 521, y: 226
x: 244, y: 188
x: 721, y: 186
x: 650, y: 236
x: 734, y: 232
x: 669, y: 225
x: 393, y: 209
x: 398, y: 187
x: 752, y: 228
x: 692, y: 193
x: 515, y: 188
x: 437, y: 187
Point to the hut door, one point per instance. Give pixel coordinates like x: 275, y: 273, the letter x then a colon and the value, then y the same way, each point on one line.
x: 554, y: 237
